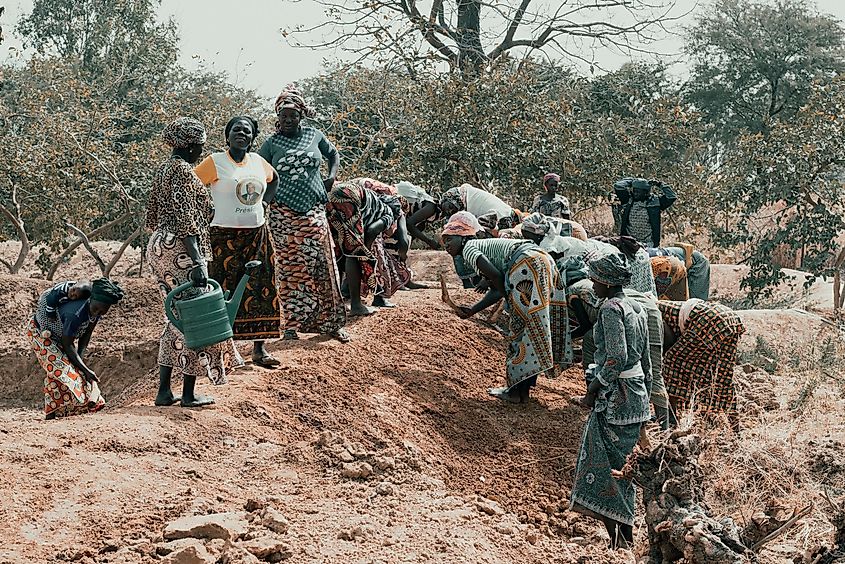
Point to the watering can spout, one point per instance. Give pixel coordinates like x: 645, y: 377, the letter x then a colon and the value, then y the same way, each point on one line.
x: 234, y: 301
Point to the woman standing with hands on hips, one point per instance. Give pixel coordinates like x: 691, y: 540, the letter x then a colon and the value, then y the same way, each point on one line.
x: 242, y: 184
x: 178, y: 213
x: 306, y: 272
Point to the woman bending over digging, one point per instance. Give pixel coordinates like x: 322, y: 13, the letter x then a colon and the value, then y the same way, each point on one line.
x: 535, y: 298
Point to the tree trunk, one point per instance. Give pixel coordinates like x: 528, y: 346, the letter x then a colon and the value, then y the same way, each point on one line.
x: 120, y: 251
x: 471, y: 58
x: 17, y: 222
x: 73, y: 246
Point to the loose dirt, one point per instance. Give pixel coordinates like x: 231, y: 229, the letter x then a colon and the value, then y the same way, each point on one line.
x: 386, y: 449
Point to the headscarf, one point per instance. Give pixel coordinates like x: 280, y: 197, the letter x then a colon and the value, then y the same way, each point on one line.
x: 624, y: 243
x: 551, y: 176
x: 536, y: 223
x: 610, y: 269
x: 105, y: 291
x: 489, y: 220
x: 414, y: 194
x: 184, y: 131
x: 291, y: 97
x: 462, y: 224
x: 453, y: 197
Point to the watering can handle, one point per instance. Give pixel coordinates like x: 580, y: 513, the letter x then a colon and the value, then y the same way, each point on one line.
x: 168, y: 301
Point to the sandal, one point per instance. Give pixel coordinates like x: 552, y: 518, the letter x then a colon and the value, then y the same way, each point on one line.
x: 341, y: 335
x: 266, y: 361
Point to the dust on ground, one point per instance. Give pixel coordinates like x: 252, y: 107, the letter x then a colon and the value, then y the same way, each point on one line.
x: 386, y: 449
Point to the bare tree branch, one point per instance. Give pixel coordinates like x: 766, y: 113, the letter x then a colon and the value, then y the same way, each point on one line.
x: 85, y: 241
x: 17, y: 221
x: 73, y: 246
x: 126, y: 242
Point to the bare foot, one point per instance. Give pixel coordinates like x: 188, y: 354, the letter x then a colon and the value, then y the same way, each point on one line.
x: 265, y: 360
x: 502, y: 394
x: 341, y: 335
x: 163, y: 400
x: 50, y: 416
x: 197, y: 401
x: 361, y: 310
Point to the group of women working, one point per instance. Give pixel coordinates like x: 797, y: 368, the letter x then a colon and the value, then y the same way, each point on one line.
x: 208, y: 220
x: 637, y: 351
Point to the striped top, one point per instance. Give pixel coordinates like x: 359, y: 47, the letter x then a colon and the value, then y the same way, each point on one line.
x: 497, y: 251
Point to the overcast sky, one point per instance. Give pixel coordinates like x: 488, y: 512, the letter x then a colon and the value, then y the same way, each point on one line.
x: 244, y: 38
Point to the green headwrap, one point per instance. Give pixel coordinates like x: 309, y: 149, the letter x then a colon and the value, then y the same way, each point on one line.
x: 105, y: 291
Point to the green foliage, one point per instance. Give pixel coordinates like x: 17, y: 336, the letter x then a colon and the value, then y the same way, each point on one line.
x: 785, y: 190
x: 754, y: 62
x: 502, y: 131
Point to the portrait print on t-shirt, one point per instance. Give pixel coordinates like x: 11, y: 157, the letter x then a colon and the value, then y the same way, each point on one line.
x: 249, y: 190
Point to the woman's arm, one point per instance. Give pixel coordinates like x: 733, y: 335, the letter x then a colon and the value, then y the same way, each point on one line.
x: 497, y: 287
x: 332, y: 156
x: 584, y: 323
x: 69, y: 348
x: 403, y: 242
x: 428, y: 210
x: 199, y: 271
x: 84, y: 339
x: 272, y: 186
x: 616, y: 349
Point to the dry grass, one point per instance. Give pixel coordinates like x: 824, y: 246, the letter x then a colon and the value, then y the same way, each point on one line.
x: 789, y: 452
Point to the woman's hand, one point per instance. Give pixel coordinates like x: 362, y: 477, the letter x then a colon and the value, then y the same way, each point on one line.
x: 328, y: 183
x: 89, y: 375
x: 482, y: 286
x: 587, y: 401
x: 464, y: 312
x: 199, y: 275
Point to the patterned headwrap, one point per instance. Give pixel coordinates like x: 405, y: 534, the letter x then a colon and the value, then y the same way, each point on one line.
x: 183, y: 132
x: 453, y: 197
x: 536, y: 223
x: 550, y: 176
x: 610, y: 269
x: 291, y: 97
x: 463, y: 224
x: 105, y: 291
x: 489, y: 220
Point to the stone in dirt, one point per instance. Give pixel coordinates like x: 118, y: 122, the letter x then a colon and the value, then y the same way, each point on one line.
x: 268, y: 549
x: 385, y: 462
x: 488, y: 506
x: 252, y: 505
x: 226, y: 526
x: 356, y: 470
x: 274, y: 520
x: 192, y: 553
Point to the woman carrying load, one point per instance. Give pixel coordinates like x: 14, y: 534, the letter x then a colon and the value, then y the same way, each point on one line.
x: 242, y: 185
x: 59, y: 332
x: 535, y: 298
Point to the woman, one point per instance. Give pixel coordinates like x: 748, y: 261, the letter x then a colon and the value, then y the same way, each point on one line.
x: 584, y: 307
x: 670, y: 278
x: 550, y: 203
x: 179, y: 249
x: 359, y: 216
x: 59, y: 331
x: 478, y: 202
x: 242, y: 184
x: 422, y: 208
x: 538, y: 228
x: 642, y: 276
x: 697, y: 268
x: 535, y: 298
x: 699, y: 353
x: 306, y: 274
x: 617, y: 394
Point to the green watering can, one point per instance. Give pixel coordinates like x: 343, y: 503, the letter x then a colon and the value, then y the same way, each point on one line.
x: 207, y: 319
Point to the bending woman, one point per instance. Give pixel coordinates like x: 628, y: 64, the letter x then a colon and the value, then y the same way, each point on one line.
x: 478, y: 202
x: 242, y: 184
x: 422, y: 208
x: 59, y: 331
x: 179, y: 249
x: 617, y: 394
x: 306, y: 274
x: 359, y: 216
x: 639, y: 262
x: 535, y: 298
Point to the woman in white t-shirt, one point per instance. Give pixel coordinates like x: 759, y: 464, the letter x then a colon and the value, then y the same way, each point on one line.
x: 242, y: 183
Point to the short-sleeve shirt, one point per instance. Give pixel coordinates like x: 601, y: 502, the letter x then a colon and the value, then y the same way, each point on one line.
x: 72, y: 319
x: 297, y: 161
x: 179, y: 204
x: 497, y: 251
x: 556, y: 207
x: 237, y: 189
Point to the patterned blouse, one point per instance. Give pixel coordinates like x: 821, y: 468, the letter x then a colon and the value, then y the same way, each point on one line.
x: 180, y: 205
x: 621, y: 339
x: 640, y: 227
x: 297, y: 160
x: 71, y: 318
x: 556, y: 207
x: 642, y: 277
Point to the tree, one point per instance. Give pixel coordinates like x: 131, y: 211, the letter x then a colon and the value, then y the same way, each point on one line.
x: 754, y: 63
x: 469, y: 35
x: 785, y: 190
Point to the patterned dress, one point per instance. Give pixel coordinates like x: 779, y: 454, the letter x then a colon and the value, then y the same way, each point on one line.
x: 642, y: 276
x: 613, y: 428
x: 701, y: 362
x: 66, y: 392
x: 306, y: 274
x: 539, y: 341
x: 556, y: 207
x: 179, y: 207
